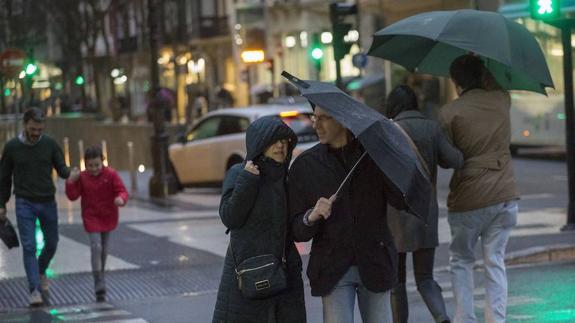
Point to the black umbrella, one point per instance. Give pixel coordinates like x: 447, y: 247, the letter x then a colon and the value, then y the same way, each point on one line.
x: 8, y: 234
x: 380, y: 137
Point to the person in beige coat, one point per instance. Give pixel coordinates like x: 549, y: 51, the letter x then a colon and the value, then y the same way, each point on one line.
x: 482, y: 201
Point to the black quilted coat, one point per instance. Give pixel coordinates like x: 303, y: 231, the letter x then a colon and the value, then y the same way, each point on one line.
x: 254, y: 208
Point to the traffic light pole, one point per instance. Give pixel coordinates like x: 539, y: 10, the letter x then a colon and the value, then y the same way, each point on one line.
x: 249, y: 80
x: 550, y: 12
x: 2, y: 95
x: 337, y: 13
x: 163, y: 182
x: 566, y: 28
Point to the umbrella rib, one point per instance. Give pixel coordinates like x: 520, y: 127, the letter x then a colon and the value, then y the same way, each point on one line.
x: 426, y: 53
x: 349, y: 174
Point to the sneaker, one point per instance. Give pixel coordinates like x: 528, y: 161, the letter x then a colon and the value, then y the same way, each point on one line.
x: 36, y: 298
x: 44, y: 283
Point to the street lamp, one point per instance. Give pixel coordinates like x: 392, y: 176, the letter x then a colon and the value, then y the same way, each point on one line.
x: 253, y: 56
x: 163, y: 182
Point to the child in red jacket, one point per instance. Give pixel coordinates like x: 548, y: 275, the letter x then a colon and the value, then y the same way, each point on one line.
x: 102, y: 192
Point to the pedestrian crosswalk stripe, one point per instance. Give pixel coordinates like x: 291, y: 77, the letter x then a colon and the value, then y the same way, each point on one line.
x: 476, y: 292
x: 523, y: 300
x: 93, y: 315
x: 102, y: 312
x: 126, y: 321
x: 77, y: 308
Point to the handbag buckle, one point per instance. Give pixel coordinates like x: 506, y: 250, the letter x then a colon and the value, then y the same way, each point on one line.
x: 263, y: 284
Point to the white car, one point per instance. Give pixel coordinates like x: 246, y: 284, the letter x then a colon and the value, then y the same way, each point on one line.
x: 205, y: 152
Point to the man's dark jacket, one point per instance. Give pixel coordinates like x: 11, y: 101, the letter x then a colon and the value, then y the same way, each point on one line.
x: 356, y: 233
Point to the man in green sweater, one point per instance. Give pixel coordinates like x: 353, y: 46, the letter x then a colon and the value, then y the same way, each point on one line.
x: 29, y: 159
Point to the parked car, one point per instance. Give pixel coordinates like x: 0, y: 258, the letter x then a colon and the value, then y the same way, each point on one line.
x: 207, y: 150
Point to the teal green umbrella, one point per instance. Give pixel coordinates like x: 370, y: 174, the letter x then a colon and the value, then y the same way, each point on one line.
x: 428, y: 43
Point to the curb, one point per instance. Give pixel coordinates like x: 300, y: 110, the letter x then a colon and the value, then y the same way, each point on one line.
x: 560, y: 252
x: 171, y: 203
x: 533, y: 255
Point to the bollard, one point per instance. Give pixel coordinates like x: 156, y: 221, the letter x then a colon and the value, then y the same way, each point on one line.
x: 66, y: 151
x: 132, y: 168
x: 81, y: 153
x: 13, y: 129
x: 105, y: 153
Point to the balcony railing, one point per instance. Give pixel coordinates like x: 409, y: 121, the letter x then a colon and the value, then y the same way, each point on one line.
x: 209, y: 26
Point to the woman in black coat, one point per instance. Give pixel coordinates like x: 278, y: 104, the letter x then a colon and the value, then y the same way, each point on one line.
x: 409, y: 233
x: 254, y: 209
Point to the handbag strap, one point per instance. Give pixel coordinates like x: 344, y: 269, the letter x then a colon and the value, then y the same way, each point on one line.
x: 283, y: 250
x: 283, y: 246
x: 414, y: 147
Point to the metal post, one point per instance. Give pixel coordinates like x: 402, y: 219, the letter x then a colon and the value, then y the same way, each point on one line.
x: 163, y: 182
x: 81, y: 154
x: 569, y: 123
x: 387, y: 71
x: 67, y: 151
x: 249, y: 81
x: 338, y: 81
x: 2, y: 96
x: 132, y: 168
x: 105, y: 152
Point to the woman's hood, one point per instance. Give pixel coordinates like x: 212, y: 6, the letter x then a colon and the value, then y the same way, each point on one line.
x: 265, y: 131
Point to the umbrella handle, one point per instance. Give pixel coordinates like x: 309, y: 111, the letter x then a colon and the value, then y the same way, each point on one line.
x: 349, y: 174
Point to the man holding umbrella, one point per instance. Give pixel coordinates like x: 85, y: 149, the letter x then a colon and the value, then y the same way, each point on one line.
x: 352, y: 251
x: 482, y: 198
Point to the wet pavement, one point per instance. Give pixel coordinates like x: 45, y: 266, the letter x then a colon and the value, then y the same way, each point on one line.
x: 165, y: 262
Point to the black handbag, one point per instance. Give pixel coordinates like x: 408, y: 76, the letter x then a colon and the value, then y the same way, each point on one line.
x: 261, y: 276
x: 8, y: 234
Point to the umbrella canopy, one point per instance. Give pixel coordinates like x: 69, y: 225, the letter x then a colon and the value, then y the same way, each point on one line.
x: 429, y: 42
x: 382, y: 140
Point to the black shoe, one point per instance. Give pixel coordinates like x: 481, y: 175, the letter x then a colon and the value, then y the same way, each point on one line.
x: 101, y: 296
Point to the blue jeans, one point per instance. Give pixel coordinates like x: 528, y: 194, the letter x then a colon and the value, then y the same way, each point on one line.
x: 338, y: 306
x: 26, y: 214
x: 493, y: 225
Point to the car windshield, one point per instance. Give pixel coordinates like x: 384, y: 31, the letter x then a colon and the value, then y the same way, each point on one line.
x: 301, y: 124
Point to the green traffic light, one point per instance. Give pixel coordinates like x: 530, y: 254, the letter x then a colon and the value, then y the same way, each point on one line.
x: 79, y: 80
x: 30, y: 69
x: 7, y: 92
x: 317, y: 53
x: 544, y: 9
